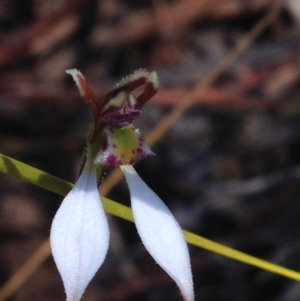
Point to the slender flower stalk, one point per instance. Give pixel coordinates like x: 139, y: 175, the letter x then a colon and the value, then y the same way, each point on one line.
x: 79, y: 234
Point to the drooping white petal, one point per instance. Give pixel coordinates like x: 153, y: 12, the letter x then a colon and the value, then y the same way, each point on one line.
x: 79, y: 235
x: 160, y: 232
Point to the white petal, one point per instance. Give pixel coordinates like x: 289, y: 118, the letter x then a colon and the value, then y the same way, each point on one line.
x: 160, y: 232
x: 80, y: 236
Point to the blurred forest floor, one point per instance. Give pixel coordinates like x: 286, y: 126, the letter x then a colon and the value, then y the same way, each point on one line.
x: 229, y: 167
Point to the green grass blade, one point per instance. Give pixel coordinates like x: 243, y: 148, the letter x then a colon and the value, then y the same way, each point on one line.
x: 215, y: 247
x: 40, y: 178
x: 33, y: 175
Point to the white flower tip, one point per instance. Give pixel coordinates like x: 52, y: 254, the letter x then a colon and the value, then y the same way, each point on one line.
x: 160, y: 232
x: 73, y: 72
x: 79, y: 236
x: 79, y: 80
x: 154, y: 79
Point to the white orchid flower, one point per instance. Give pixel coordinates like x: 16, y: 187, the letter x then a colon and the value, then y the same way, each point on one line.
x: 80, y: 235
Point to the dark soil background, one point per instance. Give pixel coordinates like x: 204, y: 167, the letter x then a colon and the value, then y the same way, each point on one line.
x: 229, y: 168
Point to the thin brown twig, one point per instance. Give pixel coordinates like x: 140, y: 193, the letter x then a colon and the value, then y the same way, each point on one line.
x: 16, y: 48
x: 137, y: 26
x: 39, y: 256
x: 44, y: 251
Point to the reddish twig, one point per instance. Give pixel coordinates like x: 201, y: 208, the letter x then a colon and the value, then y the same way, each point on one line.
x: 17, y: 46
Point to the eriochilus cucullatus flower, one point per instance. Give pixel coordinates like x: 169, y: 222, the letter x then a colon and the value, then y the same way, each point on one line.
x: 80, y: 234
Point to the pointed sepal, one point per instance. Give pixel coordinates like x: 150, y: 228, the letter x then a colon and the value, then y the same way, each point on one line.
x: 80, y: 235
x: 85, y: 91
x: 160, y: 232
